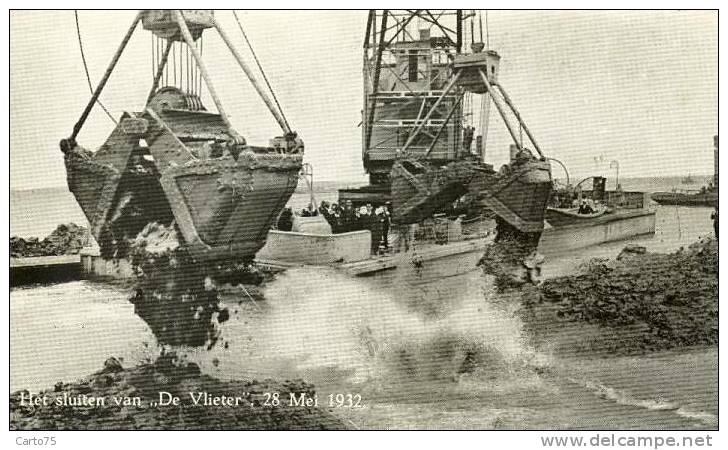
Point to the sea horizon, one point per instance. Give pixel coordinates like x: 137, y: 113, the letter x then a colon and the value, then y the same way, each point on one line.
x: 36, y: 212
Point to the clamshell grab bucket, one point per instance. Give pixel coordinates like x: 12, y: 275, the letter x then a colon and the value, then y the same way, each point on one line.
x: 518, y: 194
x: 184, y: 167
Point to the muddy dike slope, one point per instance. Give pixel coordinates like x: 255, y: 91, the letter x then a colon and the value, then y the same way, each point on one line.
x: 65, y: 408
x: 639, y: 302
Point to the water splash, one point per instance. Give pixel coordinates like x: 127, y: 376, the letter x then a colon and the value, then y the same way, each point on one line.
x: 324, y: 322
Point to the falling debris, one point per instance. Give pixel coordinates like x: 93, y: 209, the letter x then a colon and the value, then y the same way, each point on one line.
x: 512, y: 257
x: 176, y: 295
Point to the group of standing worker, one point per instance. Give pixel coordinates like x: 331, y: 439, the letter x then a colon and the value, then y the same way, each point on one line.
x: 346, y: 218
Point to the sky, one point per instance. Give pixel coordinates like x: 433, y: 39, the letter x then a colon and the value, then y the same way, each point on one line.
x: 638, y: 87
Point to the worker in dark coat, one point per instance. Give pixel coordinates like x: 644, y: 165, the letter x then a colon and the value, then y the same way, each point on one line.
x: 714, y: 216
x: 324, y: 210
x: 585, y: 208
x: 376, y: 225
x: 348, y: 217
x: 364, y: 219
x: 285, y: 220
x: 335, y: 214
x: 387, y: 223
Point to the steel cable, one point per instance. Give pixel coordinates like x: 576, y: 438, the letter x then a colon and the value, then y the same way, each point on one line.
x: 85, y: 68
x: 265, y: 78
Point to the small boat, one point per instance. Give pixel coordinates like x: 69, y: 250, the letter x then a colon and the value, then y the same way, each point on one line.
x: 706, y: 196
x: 619, y: 215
